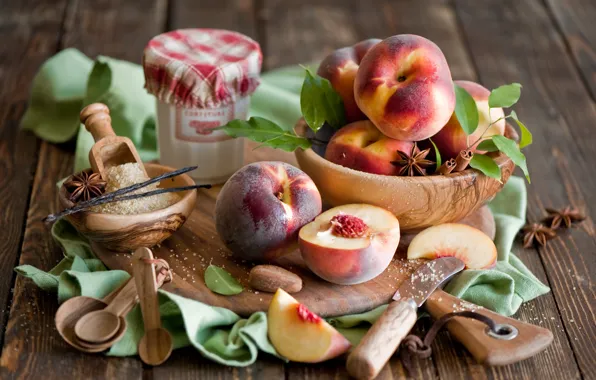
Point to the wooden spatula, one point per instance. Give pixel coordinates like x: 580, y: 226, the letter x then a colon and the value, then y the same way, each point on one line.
x: 109, y: 150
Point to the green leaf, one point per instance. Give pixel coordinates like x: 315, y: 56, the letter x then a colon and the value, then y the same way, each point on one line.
x: 510, y: 148
x: 218, y: 280
x: 488, y: 146
x: 437, y: 154
x: 526, y: 135
x: 504, y: 96
x: 320, y: 103
x: 486, y: 165
x: 466, y: 110
x: 266, y: 132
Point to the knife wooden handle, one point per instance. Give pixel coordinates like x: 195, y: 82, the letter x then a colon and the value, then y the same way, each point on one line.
x: 472, y: 334
x: 381, y: 341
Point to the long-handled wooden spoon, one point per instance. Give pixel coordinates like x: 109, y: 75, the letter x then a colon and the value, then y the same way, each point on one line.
x: 102, y: 325
x: 109, y: 149
x: 156, y: 345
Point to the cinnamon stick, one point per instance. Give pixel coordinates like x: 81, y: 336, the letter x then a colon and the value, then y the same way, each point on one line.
x: 447, y: 167
x: 463, y: 160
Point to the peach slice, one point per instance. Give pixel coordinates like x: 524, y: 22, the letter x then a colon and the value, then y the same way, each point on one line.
x: 350, y: 244
x: 468, y: 244
x: 300, y: 335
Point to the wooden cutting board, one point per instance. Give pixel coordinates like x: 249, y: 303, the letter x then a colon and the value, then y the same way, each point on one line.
x: 196, y: 245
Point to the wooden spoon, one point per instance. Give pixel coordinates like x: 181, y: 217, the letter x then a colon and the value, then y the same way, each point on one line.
x: 156, y: 345
x: 102, y: 325
x: 73, y: 309
x: 109, y: 150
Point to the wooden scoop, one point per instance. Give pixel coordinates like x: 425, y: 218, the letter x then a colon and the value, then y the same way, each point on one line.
x: 156, y: 345
x: 109, y: 150
x: 102, y: 326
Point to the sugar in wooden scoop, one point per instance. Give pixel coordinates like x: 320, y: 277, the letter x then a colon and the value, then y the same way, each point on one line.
x: 121, y: 176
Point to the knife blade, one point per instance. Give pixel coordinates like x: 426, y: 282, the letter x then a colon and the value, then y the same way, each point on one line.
x: 427, y: 278
x: 384, y: 337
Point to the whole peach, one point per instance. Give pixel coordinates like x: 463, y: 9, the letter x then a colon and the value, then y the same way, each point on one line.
x: 261, y: 208
x: 361, y: 146
x: 452, y: 139
x: 340, y: 69
x: 404, y: 86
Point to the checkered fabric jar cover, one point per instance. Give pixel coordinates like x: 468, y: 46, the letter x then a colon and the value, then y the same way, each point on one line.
x: 201, y: 68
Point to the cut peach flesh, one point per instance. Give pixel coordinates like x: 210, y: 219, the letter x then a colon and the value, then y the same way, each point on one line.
x: 468, y: 244
x: 299, y: 335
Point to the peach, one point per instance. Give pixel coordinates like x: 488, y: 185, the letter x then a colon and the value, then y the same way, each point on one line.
x: 361, y: 146
x: 350, y: 244
x: 468, y: 244
x: 340, y: 69
x: 261, y: 208
x: 452, y: 139
x: 300, y: 335
x: 404, y: 86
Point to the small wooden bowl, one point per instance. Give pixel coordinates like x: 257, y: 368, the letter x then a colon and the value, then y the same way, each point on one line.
x: 125, y: 233
x: 418, y: 202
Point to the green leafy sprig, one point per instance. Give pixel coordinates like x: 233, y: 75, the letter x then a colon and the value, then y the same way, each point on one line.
x: 320, y: 105
x: 466, y: 112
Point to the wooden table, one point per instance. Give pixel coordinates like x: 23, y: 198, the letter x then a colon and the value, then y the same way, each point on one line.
x: 547, y: 45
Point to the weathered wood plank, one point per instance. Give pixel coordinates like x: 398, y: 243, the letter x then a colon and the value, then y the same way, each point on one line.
x: 29, y: 30
x: 576, y: 21
x: 517, y: 42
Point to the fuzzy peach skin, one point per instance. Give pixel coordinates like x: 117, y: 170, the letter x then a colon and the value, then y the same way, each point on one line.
x: 468, y: 244
x: 349, y: 260
x: 404, y: 86
x: 452, y: 139
x: 300, y: 335
x: 361, y: 146
x: 261, y: 208
x: 340, y: 69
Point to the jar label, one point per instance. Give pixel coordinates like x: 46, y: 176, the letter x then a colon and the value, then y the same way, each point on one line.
x: 197, y: 124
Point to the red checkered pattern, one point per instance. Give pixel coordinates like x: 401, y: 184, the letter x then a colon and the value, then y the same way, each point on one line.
x: 205, y: 68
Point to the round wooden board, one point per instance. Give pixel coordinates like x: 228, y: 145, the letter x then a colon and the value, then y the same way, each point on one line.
x: 196, y: 245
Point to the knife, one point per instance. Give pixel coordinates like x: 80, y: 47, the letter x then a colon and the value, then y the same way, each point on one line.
x: 384, y: 337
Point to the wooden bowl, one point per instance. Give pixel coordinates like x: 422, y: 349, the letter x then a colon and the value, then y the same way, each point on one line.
x: 125, y: 233
x: 418, y: 202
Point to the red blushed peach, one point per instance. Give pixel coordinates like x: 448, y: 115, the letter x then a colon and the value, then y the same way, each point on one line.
x: 404, y: 86
x: 300, y: 335
x: 361, y: 146
x: 468, y: 244
x: 452, y: 139
x: 340, y: 69
x: 350, y: 244
x: 261, y: 208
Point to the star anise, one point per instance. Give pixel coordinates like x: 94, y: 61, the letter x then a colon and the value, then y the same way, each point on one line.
x: 413, y: 163
x: 537, y: 232
x: 567, y: 216
x: 84, y: 186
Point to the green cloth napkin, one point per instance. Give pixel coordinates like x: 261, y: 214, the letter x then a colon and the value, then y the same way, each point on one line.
x: 70, y: 80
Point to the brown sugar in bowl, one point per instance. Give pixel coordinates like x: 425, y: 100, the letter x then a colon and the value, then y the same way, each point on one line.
x: 418, y: 202
x: 125, y: 233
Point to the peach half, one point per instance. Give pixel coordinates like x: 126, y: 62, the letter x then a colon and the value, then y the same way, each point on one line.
x: 350, y: 244
x: 361, y: 146
x: 300, y: 335
x: 468, y: 244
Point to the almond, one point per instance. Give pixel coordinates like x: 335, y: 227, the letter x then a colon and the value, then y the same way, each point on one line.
x: 268, y: 278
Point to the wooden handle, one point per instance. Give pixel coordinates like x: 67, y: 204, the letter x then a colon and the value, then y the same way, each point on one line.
x: 97, y: 120
x: 124, y: 300
x: 381, y: 341
x: 473, y: 335
x: 144, y: 274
